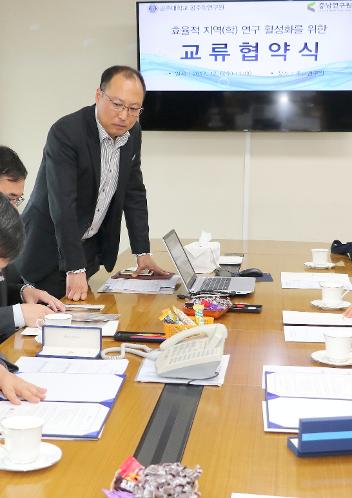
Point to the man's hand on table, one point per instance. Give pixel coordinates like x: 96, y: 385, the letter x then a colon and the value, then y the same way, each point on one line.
x: 35, y: 296
x: 146, y: 262
x: 33, y: 312
x: 76, y: 286
x: 14, y: 388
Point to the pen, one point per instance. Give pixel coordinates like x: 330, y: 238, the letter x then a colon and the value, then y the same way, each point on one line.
x: 125, y: 336
x: 146, y: 334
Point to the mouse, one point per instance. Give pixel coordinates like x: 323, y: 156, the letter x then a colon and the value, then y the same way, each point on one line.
x: 251, y: 272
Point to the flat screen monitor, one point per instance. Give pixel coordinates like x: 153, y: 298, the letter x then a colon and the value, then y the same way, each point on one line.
x: 246, y: 65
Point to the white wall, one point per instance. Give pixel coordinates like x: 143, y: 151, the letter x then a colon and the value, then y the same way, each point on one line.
x: 52, y: 55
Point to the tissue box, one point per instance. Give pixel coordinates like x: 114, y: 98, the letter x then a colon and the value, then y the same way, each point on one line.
x: 204, y: 258
x: 71, y: 342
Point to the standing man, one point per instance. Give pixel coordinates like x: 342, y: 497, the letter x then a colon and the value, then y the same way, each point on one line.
x: 89, y: 176
x: 19, y: 302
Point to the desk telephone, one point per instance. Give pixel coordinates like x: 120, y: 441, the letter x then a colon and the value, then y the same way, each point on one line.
x: 191, y: 354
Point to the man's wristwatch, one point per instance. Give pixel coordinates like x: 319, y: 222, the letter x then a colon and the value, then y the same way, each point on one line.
x: 22, y: 289
x: 144, y: 254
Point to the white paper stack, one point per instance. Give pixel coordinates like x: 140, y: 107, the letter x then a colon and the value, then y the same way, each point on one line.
x: 140, y: 286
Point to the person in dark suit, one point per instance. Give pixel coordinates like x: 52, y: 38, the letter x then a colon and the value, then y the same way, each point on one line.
x: 11, y: 241
x: 19, y: 302
x: 89, y: 176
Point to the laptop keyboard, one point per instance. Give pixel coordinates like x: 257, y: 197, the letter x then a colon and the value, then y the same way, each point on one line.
x: 213, y: 284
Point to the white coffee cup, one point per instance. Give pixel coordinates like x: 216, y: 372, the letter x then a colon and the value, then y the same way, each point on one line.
x: 22, y: 435
x: 57, y: 319
x: 320, y: 257
x: 338, y: 346
x: 332, y: 293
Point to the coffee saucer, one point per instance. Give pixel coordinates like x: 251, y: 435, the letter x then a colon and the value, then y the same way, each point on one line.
x: 322, y: 266
x: 340, y: 306
x: 49, y: 454
x: 321, y: 357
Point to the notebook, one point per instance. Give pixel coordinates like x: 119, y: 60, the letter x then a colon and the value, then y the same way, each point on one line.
x: 199, y: 284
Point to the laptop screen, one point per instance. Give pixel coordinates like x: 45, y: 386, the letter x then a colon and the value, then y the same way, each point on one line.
x: 180, y: 258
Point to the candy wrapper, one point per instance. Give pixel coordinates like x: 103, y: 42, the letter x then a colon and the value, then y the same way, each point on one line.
x: 164, y: 480
x: 214, y: 305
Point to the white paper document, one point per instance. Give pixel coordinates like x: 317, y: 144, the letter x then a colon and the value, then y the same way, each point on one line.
x: 62, y: 420
x: 292, y: 393
x: 305, y: 333
x: 310, y: 280
x: 307, y: 318
x: 245, y: 495
x: 283, y: 414
x: 77, y: 387
x: 139, y: 286
x: 147, y: 373
x: 311, y: 384
x: 29, y: 364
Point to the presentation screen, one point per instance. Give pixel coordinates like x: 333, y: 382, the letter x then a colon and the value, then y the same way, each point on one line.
x: 249, y: 46
x: 259, y: 45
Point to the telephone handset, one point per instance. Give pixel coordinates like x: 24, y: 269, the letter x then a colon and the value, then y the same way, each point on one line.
x: 192, y: 354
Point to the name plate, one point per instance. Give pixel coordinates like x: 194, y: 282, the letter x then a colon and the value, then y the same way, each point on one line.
x: 71, y: 342
x: 322, y: 436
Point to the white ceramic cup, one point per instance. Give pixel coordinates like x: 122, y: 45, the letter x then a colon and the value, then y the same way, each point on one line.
x: 332, y: 293
x: 22, y: 436
x: 320, y: 256
x: 338, y: 346
x: 57, y: 319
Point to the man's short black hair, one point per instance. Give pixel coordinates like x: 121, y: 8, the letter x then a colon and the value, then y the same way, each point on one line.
x: 127, y: 71
x: 11, y: 165
x: 11, y: 230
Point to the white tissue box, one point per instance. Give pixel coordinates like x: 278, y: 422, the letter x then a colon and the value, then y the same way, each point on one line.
x: 203, y: 257
x: 71, y: 342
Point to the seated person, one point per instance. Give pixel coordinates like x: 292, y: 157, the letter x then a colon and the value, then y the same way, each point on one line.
x: 12, y: 289
x: 11, y: 240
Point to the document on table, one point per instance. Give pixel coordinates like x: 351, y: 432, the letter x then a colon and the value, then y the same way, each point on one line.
x: 301, y: 326
x: 76, y: 404
x: 310, y: 280
x: 147, y: 373
x: 62, y: 420
x: 139, y: 286
x: 102, y: 388
x: 283, y: 414
x: 292, y: 393
x: 305, y: 333
x: 36, y: 364
x: 244, y: 495
x: 319, y: 319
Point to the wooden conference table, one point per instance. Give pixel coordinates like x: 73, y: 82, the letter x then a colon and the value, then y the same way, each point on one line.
x: 227, y: 437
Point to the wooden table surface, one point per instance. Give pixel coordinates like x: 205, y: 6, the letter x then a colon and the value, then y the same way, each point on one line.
x: 227, y: 438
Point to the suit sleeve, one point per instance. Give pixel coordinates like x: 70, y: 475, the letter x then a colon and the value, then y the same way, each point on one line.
x: 11, y: 367
x: 13, y: 284
x: 7, y: 322
x: 62, y: 173
x: 135, y: 206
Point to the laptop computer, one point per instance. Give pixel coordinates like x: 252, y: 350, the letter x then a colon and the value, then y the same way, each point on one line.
x: 198, y: 284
